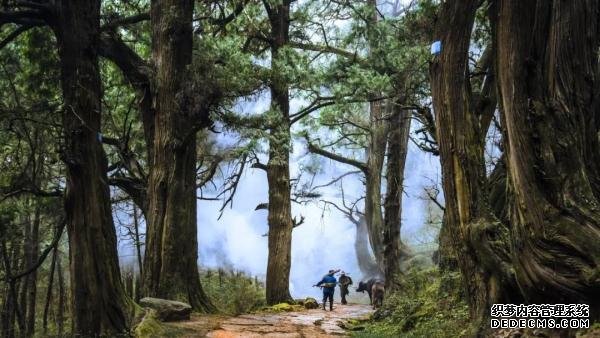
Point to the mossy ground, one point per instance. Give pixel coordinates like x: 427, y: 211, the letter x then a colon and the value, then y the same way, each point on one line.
x: 151, y: 327
x: 426, y: 306
x: 281, y: 307
x: 233, y: 293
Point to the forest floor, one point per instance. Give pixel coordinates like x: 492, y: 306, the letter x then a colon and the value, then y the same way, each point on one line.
x: 304, y: 323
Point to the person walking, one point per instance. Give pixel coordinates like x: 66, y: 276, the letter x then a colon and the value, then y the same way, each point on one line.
x: 345, y: 281
x: 328, y: 283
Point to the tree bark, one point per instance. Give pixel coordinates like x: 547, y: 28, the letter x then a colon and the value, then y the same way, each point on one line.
x: 366, y: 262
x: 394, y: 250
x: 478, y: 239
x: 378, y: 128
x: 138, y: 244
x: 9, y: 305
x: 23, y: 283
x: 171, y: 259
x: 50, y: 286
x: 99, y: 303
x: 62, y: 296
x: 278, y: 171
x: 547, y: 56
x: 31, y: 284
x: 373, y: 200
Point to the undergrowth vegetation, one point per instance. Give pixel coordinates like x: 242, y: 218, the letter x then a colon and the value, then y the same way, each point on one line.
x: 428, y: 305
x: 233, y: 292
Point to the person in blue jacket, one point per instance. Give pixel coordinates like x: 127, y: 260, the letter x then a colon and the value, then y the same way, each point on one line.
x: 328, y: 284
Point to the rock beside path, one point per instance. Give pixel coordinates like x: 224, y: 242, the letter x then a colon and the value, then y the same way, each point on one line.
x: 167, y: 310
x: 311, y: 303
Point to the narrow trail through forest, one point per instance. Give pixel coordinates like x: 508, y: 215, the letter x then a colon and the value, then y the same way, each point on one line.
x: 307, y: 323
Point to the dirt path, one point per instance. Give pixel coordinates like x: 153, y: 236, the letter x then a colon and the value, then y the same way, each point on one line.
x: 308, y: 323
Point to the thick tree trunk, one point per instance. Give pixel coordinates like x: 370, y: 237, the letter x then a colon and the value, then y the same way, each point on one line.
x: 373, y: 200
x: 366, y: 262
x: 378, y: 127
x: 280, y: 221
x: 278, y: 170
x: 548, y: 63
x: 478, y: 239
x: 445, y: 257
x: 170, y: 262
x: 394, y: 250
x: 99, y: 303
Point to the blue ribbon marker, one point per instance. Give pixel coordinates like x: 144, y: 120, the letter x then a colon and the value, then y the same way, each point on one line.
x: 436, y: 47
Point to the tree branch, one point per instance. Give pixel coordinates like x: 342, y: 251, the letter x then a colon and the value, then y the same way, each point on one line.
x: 43, y: 255
x: 326, y: 49
x: 338, y: 158
x: 14, y: 34
x: 124, y: 21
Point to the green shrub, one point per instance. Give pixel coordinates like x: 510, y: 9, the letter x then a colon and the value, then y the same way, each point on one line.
x: 426, y: 306
x: 233, y: 292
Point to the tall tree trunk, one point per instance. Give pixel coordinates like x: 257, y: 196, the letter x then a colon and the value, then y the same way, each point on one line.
x: 138, y: 242
x: 31, y: 284
x: 547, y: 67
x: 23, y: 283
x: 378, y: 127
x: 171, y: 259
x: 394, y: 250
x: 278, y: 170
x: 479, y: 240
x: 9, y: 305
x: 366, y: 262
x: 375, y: 157
x: 62, y: 295
x: 50, y: 285
x: 99, y: 303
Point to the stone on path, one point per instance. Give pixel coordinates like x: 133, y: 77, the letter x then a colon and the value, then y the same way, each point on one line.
x: 311, y: 303
x: 167, y: 310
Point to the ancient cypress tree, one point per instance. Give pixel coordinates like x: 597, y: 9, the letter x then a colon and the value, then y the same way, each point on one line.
x: 278, y: 166
x: 538, y: 228
x: 478, y: 238
x: 548, y: 74
x: 170, y: 262
x: 394, y: 251
x: 375, y: 154
x: 174, y: 102
x: 99, y: 302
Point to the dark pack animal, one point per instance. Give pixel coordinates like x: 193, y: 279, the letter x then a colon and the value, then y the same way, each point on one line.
x: 377, y: 292
x: 368, y: 287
